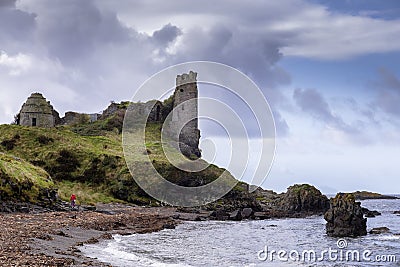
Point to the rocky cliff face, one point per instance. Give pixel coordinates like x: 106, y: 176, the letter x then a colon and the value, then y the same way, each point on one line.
x: 345, y: 217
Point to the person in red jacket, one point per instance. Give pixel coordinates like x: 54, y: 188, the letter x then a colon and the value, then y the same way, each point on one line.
x: 73, y: 200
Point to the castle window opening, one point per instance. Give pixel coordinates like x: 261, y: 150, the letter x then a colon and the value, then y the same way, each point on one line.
x: 33, y: 121
x: 183, y: 106
x: 181, y: 90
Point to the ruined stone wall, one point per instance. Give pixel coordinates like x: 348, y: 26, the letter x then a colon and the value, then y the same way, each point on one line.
x: 72, y: 118
x: 109, y: 111
x: 36, y: 111
x: 42, y: 120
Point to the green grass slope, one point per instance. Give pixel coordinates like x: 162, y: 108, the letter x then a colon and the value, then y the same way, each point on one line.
x: 22, y: 181
x: 90, y: 165
x: 93, y: 166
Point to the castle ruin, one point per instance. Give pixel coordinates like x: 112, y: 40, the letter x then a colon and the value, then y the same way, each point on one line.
x: 37, y: 111
x: 185, y: 111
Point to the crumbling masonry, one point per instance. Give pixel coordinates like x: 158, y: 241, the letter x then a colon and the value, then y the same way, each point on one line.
x: 38, y: 112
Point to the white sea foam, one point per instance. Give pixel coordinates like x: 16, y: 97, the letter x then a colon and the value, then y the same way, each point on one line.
x: 388, y: 237
x: 116, y: 255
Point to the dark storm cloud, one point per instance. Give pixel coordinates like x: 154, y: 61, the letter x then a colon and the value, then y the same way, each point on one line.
x: 7, y: 3
x: 16, y: 27
x: 254, y: 55
x: 70, y: 48
x: 312, y: 102
x: 248, y: 51
x: 166, y: 34
x: 72, y: 30
x: 232, y: 33
x: 387, y: 93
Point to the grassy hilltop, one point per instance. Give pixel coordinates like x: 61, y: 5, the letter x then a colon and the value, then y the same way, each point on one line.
x: 86, y: 159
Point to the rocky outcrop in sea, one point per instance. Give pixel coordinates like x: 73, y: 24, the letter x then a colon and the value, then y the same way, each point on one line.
x: 345, y: 217
x: 304, y: 198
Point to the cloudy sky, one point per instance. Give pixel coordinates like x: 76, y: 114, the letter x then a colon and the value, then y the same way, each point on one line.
x: 329, y: 69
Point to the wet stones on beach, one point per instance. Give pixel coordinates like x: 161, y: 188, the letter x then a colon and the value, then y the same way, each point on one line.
x: 236, y: 215
x: 51, y: 238
x: 247, y: 213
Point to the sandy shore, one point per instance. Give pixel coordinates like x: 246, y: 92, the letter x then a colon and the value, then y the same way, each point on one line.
x: 54, y: 238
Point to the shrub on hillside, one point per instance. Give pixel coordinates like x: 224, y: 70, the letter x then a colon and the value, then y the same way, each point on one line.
x: 66, y: 163
x: 44, y: 140
x: 9, y: 144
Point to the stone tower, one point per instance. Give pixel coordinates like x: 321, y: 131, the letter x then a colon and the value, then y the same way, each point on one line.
x: 186, y: 112
x: 36, y: 111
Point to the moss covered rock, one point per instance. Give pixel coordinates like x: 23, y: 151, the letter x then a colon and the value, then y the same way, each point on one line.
x: 345, y: 217
x: 304, y: 198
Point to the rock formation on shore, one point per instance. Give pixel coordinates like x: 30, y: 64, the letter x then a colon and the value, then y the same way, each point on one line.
x: 300, y: 200
x: 304, y: 198
x: 345, y: 217
x: 362, y: 195
x: 379, y: 230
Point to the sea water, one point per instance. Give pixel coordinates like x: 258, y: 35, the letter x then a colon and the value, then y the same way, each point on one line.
x: 274, y: 242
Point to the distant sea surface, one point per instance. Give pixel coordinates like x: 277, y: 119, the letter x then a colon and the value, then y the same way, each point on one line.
x: 250, y: 243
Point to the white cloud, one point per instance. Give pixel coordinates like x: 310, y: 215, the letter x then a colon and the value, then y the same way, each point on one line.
x: 17, y: 64
x: 334, y: 36
x: 301, y: 28
x: 22, y: 74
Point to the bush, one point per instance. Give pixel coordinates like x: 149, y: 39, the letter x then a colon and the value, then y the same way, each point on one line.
x: 115, y: 121
x: 8, y: 144
x: 96, y: 173
x: 39, y: 163
x: 66, y: 163
x: 44, y: 140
